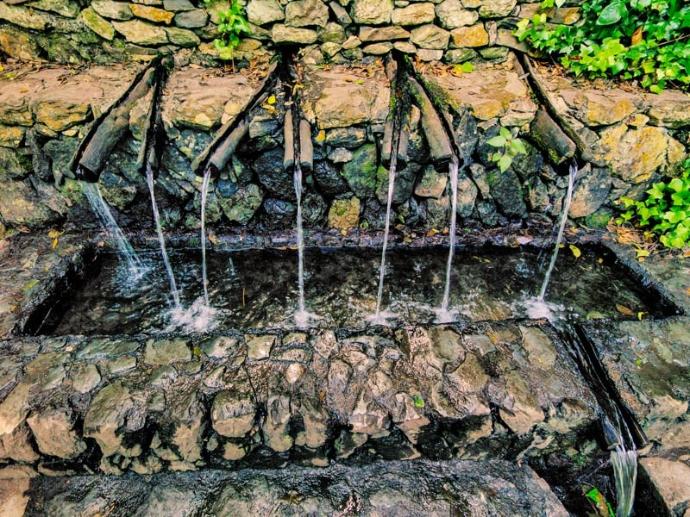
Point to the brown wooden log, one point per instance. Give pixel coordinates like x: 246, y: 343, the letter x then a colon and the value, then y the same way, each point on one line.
x: 107, y: 131
x: 306, y: 146
x: 288, y: 141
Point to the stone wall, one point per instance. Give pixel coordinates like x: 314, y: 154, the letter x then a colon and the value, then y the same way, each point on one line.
x: 74, y: 31
x: 629, y: 140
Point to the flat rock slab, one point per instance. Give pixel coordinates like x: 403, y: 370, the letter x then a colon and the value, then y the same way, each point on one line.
x: 32, y: 269
x: 649, y: 364
x: 490, y: 91
x: 60, y: 98
x: 149, y: 404
x: 386, y: 488
x: 199, y: 98
x: 344, y: 96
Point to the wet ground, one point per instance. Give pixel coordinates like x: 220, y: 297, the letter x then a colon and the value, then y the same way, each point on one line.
x: 257, y: 289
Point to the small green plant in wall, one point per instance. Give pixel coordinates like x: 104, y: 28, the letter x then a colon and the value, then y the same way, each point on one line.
x: 232, y: 26
x: 507, y: 148
x: 665, y: 210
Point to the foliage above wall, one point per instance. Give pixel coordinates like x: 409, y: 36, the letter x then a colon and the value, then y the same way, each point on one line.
x: 646, y: 40
x: 665, y: 210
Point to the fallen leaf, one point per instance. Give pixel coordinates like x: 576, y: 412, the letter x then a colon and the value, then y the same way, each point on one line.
x: 641, y: 315
x: 637, y: 36
x: 213, y: 238
x: 54, y: 236
x: 576, y: 251
x: 271, y: 100
x: 625, y: 311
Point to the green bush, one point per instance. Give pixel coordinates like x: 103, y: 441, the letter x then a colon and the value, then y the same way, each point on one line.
x: 665, y: 210
x: 646, y: 40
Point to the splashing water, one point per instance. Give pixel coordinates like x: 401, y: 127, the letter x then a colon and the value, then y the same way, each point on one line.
x: 624, y: 463
x: 564, y: 219
x: 135, y: 266
x: 381, y: 318
x: 443, y: 314
x: 196, y: 318
x: 161, y: 238
x: 302, y: 317
x: 204, y: 198
x: 537, y: 307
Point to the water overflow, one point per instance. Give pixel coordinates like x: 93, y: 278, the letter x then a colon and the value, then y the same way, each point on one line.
x: 135, y: 266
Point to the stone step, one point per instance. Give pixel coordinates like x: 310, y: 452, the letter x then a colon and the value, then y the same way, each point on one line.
x: 73, y: 404
x: 383, y: 489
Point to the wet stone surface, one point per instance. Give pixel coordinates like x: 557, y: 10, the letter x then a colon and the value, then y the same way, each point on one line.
x: 649, y: 365
x: 500, y: 390
x: 387, y: 488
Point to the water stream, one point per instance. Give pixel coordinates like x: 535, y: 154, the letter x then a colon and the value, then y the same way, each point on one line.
x: 381, y: 318
x: 444, y: 315
x: 204, y: 199
x: 161, y: 238
x: 135, y: 267
x: 564, y: 219
x: 302, y: 317
x: 624, y: 463
x: 537, y: 307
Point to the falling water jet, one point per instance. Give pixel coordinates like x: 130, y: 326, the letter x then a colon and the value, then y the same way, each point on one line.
x: 623, y: 457
x: 381, y: 318
x: 298, y: 153
x: 161, y: 238
x: 624, y: 463
x: 204, y: 199
x: 394, y: 148
x: 200, y: 316
x: 537, y: 307
x: 135, y: 266
x: 301, y: 316
x: 443, y: 314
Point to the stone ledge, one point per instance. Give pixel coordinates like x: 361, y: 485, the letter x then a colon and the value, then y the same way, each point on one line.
x: 390, y: 488
x: 625, y: 129
x: 152, y: 403
x: 490, y: 91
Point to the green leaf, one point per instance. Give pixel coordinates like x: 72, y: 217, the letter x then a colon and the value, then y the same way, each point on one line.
x: 504, y: 163
x: 497, y: 141
x: 612, y: 13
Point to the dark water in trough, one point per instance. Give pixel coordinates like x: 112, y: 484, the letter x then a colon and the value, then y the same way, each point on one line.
x: 258, y: 288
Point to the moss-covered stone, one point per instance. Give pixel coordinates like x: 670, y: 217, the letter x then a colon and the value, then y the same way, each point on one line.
x: 241, y: 206
x: 360, y: 172
x: 344, y: 214
x: 98, y: 24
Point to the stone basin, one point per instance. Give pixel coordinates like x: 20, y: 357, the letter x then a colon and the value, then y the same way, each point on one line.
x: 256, y: 288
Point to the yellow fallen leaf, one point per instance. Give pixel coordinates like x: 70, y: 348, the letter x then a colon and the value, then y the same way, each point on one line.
x: 641, y: 315
x: 271, y: 100
x: 637, y: 36
x: 641, y: 253
x: 625, y: 311
x: 321, y: 136
x: 576, y: 251
x: 54, y: 236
